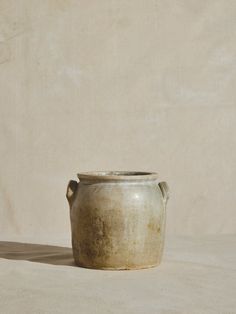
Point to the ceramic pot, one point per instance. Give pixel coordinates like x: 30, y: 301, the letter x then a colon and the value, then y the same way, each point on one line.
x: 117, y: 219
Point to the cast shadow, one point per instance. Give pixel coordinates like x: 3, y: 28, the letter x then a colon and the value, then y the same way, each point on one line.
x: 39, y: 253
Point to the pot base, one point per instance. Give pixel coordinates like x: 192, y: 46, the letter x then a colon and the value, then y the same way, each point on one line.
x: 118, y: 268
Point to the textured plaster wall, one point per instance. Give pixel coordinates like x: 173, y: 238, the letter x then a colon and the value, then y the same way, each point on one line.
x: 122, y: 85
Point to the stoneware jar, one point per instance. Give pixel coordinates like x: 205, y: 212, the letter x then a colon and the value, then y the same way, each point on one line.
x: 117, y: 219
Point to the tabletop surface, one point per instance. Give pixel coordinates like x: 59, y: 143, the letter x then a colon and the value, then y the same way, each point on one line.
x: 197, y: 275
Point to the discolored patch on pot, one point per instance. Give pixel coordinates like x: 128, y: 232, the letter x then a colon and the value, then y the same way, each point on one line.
x: 154, y: 226
x: 153, y: 240
x: 99, y: 236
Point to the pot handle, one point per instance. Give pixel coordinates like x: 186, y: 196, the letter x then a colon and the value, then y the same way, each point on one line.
x: 164, y: 190
x: 70, y: 192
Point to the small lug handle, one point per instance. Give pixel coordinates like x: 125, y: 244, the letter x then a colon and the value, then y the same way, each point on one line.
x: 70, y: 192
x: 164, y: 190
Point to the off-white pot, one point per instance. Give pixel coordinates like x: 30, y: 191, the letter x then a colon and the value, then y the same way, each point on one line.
x: 117, y: 219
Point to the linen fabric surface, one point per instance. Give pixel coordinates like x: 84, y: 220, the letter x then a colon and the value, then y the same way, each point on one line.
x: 118, y: 85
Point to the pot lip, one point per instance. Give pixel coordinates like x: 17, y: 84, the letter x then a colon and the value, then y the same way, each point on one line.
x: 117, y: 176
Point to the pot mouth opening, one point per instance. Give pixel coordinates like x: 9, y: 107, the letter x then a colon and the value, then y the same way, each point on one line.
x: 117, y: 175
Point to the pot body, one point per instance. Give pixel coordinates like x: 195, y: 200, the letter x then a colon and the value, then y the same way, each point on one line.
x: 117, y: 223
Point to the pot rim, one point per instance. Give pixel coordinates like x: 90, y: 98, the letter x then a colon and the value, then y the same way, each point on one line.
x: 117, y: 176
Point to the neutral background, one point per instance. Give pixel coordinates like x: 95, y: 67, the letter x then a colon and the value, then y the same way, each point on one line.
x: 117, y: 85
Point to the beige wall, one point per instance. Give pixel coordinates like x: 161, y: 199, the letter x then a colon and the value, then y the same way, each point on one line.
x: 122, y: 85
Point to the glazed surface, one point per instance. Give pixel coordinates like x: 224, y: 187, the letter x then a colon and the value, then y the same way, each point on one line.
x: 117, y: 225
